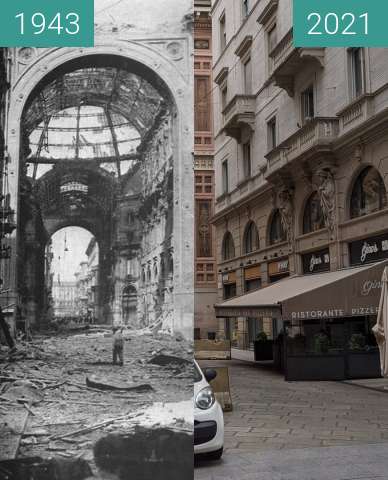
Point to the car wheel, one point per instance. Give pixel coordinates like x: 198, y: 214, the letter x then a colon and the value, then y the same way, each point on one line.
x: 216, y: 455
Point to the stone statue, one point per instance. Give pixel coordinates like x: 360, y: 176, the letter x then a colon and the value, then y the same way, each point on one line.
x: 286, y: 210
x: 326, y: 193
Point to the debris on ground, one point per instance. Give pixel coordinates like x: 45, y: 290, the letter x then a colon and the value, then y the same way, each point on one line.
x: 104, y: 384
x: 60, y: 394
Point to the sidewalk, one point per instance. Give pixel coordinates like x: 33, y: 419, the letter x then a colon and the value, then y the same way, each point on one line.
x: 273, y: 418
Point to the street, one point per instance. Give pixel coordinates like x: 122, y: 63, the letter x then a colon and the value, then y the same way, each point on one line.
x: 299, y: 430
x: 61, y: 397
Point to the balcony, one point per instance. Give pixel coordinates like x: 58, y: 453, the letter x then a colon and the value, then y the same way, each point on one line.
x: 239, y: 114
x: 355, y: 114
x: 286, y: 61
x: 313, y: 139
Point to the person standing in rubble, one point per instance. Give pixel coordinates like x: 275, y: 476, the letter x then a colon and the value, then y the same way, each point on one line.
x: 118, y: 346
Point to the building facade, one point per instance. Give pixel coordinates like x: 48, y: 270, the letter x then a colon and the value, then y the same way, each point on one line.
x: 301, y: 156
x: 65, y: 300
x: 205, y: 244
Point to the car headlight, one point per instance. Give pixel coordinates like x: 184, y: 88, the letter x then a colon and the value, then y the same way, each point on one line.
x: 205, y: 399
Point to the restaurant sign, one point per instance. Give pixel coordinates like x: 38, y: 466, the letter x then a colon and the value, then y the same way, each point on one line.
x: 316, y: 262
x: 368, y: 250
x: 279, y: 267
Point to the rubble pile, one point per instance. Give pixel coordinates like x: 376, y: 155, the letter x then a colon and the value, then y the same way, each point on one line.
x: 59, y: 395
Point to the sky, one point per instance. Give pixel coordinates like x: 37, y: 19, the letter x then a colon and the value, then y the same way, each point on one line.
x: 66, y: 263
x: 142, y: 15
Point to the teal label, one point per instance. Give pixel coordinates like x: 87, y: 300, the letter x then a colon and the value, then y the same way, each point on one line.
x: 47, y: 23
x: 340, y: 23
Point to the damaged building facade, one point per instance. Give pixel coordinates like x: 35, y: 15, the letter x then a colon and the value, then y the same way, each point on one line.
x: 102, y: 139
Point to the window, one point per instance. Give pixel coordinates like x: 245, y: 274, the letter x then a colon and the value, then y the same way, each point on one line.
x: 204, y: 183
x: 307, y: 104
x: 225, y: 177
x: 272, y: 38
x: 246, y: 8
x: 313, y: 218
x: 247, y: 163
x: 224, y: 97
x: 228, y: 247
x: 272, y: 137
x: 276, y: 232
x: 202, y: 110
x: 223, y: 32
x: 251, y: 238
x: 230, y: 290
x: 369, y: 194
x: 357, y: 72
x: 203, y: 212
x: 248, y: 77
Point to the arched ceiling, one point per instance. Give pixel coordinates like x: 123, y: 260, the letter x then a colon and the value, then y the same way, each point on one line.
x: 96, y: 108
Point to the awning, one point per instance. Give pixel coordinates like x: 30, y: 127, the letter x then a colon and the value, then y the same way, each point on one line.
x: 344, y: 293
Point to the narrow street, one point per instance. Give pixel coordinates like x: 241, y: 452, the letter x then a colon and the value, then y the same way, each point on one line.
x: 61, y: 394
x: 299, y: 430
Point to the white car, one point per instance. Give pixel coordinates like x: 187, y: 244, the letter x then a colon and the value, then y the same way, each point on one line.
x: 208, y: 416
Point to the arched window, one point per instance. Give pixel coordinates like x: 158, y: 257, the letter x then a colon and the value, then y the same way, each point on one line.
x: 251, y: 238
x: 276, y: 231
x: 228, y: 247
x: 369, y: 194
x: 149, y: 273
x: 313, y: 218
x: 143, y: 275
x: 155, y: 271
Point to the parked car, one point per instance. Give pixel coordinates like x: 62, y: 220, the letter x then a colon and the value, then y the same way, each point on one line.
x: 208, y: 416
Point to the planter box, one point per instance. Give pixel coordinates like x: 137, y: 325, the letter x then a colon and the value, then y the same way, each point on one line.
x: 315, y: 367
x: 263, y: 351
x: 364, y: 364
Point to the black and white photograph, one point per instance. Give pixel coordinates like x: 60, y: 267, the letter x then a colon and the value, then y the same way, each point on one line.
x: 97, y: 255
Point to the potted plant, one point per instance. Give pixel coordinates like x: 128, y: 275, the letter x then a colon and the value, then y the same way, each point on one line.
x: 357, y: 342
x: 263, y: 348
x: 321, y: 343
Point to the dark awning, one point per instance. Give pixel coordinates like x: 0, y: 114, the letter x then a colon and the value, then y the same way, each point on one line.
x: 343, y: 293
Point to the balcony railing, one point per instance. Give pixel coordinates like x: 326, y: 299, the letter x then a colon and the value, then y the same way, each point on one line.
x: 314, y: 138
x: 239, y: 112
x: 286, y: 61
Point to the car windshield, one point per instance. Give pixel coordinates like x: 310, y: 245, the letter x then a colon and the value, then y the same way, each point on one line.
x: 197, y: 374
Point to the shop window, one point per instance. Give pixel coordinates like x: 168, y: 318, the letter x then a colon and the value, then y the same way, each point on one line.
x: 228, y: 251
x: 307, y: 104
x: 313, y: 218
x: 251, y: 238
x: 230, y: 290
x: 356, y: 72
x: 251, y: 285
x: 276, y: 231
x: 271, y: 134
x: 369, y: 194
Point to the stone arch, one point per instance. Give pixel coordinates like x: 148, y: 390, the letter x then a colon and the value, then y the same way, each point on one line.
x: 172, y: 76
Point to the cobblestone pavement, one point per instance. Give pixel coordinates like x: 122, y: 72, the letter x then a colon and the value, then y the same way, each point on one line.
x: 274, y: 421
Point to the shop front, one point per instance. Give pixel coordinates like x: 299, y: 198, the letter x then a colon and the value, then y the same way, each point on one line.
x: 326, y: 320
